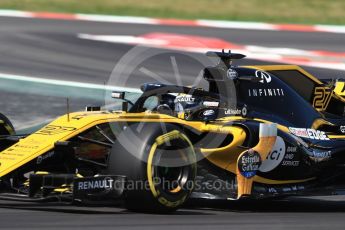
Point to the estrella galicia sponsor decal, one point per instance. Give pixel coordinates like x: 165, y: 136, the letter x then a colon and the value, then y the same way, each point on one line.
x: 309, y: 133
x: 54, y: 130
x: 249, y: 163
x: 263, y: 92
x: 275, y: 157
x: 264, y: 76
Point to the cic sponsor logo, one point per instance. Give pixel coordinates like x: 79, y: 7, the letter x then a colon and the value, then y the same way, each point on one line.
x: 275, y: 157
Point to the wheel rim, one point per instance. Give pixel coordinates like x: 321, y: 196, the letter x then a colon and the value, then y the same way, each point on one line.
x: 172, y: 180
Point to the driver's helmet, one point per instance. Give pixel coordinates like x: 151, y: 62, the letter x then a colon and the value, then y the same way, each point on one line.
x: 183, y: 102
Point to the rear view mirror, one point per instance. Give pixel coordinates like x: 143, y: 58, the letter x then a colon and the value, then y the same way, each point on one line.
x: 121, y: 96
x: 118, y: 95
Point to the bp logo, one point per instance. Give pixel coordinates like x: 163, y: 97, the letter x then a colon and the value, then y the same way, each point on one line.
x: 275, y: 157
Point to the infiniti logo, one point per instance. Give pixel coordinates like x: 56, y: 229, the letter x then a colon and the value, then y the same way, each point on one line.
x: 264, y: 76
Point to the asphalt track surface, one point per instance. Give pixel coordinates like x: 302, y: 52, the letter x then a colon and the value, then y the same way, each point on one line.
x: 51, y: 49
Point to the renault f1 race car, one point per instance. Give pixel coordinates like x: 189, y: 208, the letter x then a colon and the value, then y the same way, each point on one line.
x: 284, y: 135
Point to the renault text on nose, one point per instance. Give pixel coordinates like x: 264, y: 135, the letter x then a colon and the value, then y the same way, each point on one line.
x: 106, y: 183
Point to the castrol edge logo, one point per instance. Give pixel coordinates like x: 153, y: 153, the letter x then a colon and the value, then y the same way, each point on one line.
x: 309, y: 133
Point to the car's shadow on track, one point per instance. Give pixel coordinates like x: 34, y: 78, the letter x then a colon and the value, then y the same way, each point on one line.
x: 200, y: 207
x: 56, y: 207
x: 73, y: 209
x: 293, y: 204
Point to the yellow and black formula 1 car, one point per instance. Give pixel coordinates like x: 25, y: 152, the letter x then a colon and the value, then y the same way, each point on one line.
x: 283, y: 135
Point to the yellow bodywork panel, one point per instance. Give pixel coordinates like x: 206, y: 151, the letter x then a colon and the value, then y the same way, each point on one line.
x: 62, y: 129
x: 66, y: 127
x: 340, y: 88
x: 44, y: 139
x: 223, y: 156
x: 285, y: 67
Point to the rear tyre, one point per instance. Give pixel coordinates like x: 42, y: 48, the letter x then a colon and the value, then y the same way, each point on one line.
x: 160, y: 166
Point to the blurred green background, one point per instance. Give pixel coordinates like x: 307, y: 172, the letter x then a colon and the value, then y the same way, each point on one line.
x: 288, y: 11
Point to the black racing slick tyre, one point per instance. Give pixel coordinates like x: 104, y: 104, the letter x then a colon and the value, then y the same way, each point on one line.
x: 159, y: 164
x: 6, y: 127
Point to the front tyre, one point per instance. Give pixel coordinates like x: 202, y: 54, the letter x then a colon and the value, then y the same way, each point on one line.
x: 159, y: 163
x: 6, y: 127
